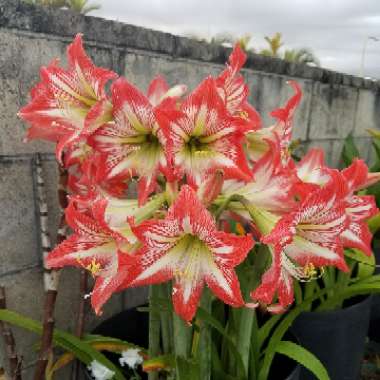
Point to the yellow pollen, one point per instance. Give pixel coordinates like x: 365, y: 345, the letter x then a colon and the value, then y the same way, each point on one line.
x: 94, y: 267
x: 311, y: 272
x: 243, y: 114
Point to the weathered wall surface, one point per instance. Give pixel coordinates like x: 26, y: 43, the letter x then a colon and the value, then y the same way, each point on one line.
x: 333, y: 105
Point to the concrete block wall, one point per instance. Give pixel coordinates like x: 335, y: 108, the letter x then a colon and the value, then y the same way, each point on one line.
x: 333, y: 105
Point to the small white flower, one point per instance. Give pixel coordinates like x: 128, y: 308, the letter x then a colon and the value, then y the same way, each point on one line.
x: 99, y: 371
x: 131, y: 358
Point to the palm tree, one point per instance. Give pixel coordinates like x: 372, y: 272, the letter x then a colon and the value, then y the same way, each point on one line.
x: 80, y: 6
x: 244, y: 42
x: 275, y: 43
x: 302, y: 55
x: 48, y: 3
x: 223, y: 39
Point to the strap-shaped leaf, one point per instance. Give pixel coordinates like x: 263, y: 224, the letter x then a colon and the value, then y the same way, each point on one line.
x: 210, y: 320
x: 359, y: 288
x: 186, y: 369
x: 83, y: 351
x: 304, y: 357
x: 367, y: 264
x: 350, y: 151
x: 159, y: 363
x: 374, y: 223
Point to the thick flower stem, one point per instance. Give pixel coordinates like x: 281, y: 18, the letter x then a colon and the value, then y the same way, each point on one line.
x: 204, y: 346
x: 182, y: 337
x: 247, y: 323
x: 166, y: 321
x: 182, y: 341
x: 244, y: 337
x: 154, y: 326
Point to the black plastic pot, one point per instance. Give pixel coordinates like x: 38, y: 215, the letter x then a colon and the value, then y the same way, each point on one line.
x: 133, y: 326
x: 336, y: 337
x: 374, y: 324
x: 129, y: 325
x: 284, y: 368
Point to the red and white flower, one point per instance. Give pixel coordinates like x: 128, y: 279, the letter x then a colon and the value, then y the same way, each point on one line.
x: 204, y: 137
x: 134, y: 144
x: 159, y: 90
x: 68, y: 101
x: 272, y: 187
x: 258, y: 141
x: 305, y: 239
x: 93, y: 246
x: 234, y: 92
x: 312, y: 168
x: 359, y: 208
x: 187, y: 247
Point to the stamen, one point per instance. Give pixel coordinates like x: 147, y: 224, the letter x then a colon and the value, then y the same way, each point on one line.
x: 94, y: 267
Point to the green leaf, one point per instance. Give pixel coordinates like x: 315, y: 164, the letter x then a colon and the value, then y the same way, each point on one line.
x: 186, y: 369
x: 304, y: 357
x: 356, y: 289
x: 280, y: 330
x: 83, y: 351
x: 376, y: 147
x: 367, y: 264
x: 374, y: 223
x: 267, y: 327
x: 162, y: 363
x: 206, y: 317
x: 350, y: 151
x: 262, y: 260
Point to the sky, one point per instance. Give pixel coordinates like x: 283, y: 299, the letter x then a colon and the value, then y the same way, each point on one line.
x: 336, y: 30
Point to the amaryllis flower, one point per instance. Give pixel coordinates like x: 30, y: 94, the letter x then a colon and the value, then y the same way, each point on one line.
x: 272, y: 187
x: 312, y: 172
x: 187, y: 247
x: 93, y: 246
x: 134, y: 144
x: 303, y: 240
x: 281, y: 131
x: 234, y: 91
x: 68, y: 101
x: 211, y: 187
x: 359, y: 208
x: 159, y: 90
x: 312, y: 168
x: 204, y: 137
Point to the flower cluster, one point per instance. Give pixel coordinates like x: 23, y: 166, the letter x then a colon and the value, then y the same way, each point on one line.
x: 198, y: 159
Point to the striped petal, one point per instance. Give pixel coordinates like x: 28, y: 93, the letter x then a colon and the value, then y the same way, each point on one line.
x: 276, y: 282
x: 311, y: 234
x: 357, y: 235
x: 312, y: 168
x: 272, y: 187
x: 61, y: 101
x: 203, y: 136
x: 230, y: 83
x: 282, y: 130
x: 159, y: 90
x: 361, y: 207
x: 186, y: 247
x: 134, y: 143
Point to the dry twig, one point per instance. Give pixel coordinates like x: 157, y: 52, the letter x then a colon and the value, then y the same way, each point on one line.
x: 9, y: 341
x: 51, y: 277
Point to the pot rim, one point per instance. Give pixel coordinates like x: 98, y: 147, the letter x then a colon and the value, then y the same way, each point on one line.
x: 342, y: 310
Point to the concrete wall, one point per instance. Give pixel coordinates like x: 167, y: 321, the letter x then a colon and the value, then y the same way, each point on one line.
x: 333, y: 105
